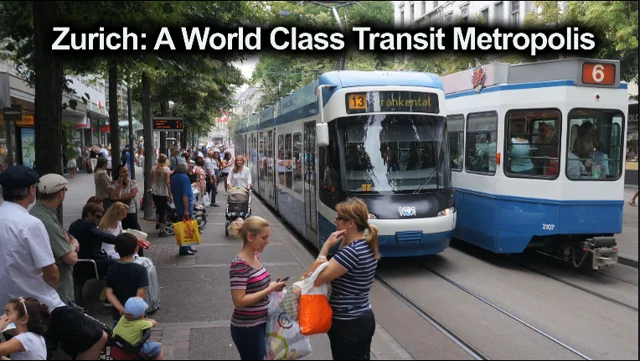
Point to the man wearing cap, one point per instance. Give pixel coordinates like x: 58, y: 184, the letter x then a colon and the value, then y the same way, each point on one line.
x: 132, y: 325
x: 29, y: 269
x: 51, y: 192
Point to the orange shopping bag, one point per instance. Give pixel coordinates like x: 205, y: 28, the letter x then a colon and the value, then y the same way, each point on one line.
x: 315, y: 313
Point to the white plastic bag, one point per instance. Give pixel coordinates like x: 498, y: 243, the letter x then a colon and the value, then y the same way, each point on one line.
x: 206, y: 200
x: 284, y: 340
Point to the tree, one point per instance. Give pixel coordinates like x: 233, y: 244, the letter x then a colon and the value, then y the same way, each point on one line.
x: 615, y: 23
x: 280, y: 73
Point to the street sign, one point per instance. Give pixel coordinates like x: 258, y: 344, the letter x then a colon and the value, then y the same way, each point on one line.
x: 168, y: 123
x: 13, y: 114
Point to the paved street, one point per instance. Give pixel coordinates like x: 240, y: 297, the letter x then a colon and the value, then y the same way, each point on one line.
x: 196, y: 303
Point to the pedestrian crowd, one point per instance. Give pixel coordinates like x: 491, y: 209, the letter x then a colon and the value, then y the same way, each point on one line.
x: 41, y: 262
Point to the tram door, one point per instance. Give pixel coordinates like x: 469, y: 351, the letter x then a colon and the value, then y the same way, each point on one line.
x: 262, y: 166
x: 311, y: 213
x: 253, y: 154
x: 271, y: 185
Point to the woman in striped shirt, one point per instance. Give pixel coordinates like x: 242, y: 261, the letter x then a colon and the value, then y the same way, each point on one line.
x: 250, y: 288
x: 351, y: 271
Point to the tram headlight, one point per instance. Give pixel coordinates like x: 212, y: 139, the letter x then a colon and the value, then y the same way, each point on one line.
x: 447, y: 212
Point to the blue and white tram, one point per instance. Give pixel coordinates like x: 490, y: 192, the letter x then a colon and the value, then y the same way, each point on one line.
x: 379, y: 136
x: 537, y: 156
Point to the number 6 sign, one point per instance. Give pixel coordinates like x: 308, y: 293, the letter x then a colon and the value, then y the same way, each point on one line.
x: 599, y: 73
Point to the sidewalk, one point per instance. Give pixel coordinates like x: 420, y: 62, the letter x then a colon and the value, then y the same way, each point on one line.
x: 196, y: 304
x: 628, y: 239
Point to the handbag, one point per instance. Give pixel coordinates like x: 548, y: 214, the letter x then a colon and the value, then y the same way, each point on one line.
x: 187, y: 232
x: 284, y: 340
x: 291, y: 300
x: 315, y: 312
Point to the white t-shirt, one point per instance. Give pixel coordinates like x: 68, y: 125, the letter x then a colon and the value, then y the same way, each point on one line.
x: 25, y: 251
x: 34, y: 345
x: 110, y: 249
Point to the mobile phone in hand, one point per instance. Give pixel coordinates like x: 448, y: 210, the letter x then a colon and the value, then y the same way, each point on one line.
x: 285, y: 279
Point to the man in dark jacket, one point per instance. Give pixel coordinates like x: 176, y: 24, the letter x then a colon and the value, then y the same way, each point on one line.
x: 86, y: 231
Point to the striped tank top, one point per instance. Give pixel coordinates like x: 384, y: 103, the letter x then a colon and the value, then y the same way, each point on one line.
x: 350, y: 297
x: 244, y: 277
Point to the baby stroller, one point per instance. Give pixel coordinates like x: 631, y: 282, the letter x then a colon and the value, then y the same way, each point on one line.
x: 199, y: 214
x: 238, y: 206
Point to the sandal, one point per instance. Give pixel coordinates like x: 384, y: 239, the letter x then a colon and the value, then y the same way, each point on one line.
x: 632, y: 204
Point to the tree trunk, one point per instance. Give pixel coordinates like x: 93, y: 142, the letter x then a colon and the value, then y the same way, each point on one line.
x: 132, y: 168
x: 113, y: 117
x: 48, y: 83
x: 147, y: 132
x: 49, y: 76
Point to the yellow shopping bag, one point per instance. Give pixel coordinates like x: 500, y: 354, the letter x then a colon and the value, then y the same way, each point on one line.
x: 187, y: 232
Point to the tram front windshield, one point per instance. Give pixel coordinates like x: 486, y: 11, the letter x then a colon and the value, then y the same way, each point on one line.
x: 394, y: 153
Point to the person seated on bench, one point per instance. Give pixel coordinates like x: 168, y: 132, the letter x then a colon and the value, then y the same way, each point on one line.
x: 85, y: 230
x: 132, y: 325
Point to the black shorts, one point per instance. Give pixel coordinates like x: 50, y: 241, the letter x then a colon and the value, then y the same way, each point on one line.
x: 74, y: 331
x: 161, y: 206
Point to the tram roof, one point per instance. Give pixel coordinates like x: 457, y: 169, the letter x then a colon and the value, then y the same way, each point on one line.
x: 354, y: 78
x: 568, y: 70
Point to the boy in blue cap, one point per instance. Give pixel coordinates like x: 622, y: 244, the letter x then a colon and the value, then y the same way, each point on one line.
x: 133, y: 323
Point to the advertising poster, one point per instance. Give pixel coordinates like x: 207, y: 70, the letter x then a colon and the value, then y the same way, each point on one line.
x: 28, y: 146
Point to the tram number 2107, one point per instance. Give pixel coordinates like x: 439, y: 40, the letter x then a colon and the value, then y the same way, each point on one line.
x: 548, y: 227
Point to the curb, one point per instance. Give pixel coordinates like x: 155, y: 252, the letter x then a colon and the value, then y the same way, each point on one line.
x: 628, y: 261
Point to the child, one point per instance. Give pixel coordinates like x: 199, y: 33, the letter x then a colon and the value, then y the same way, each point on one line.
x: 125, y: 279
x: 132, y: 324
x: 31, y: 320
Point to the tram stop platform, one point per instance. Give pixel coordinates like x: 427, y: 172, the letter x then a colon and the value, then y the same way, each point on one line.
x: 193, y: 319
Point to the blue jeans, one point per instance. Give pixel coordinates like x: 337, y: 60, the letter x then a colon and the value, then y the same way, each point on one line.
x: 250, y: 341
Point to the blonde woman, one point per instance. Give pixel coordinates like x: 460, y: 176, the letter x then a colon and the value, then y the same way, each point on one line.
x: 161, y: 191
x: 250, y: 288
x: 351, y: 272
x: 240, y: 175
x: 112, y: 223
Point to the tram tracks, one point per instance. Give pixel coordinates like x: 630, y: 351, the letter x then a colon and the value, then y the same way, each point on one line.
x: 503, y: 311
x: 450, y: 334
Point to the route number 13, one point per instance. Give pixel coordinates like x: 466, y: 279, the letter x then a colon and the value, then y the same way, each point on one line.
x: 357, y: 102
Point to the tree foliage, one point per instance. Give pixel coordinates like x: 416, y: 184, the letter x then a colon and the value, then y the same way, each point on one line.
x: 280, y: 73
x: 615, y: 23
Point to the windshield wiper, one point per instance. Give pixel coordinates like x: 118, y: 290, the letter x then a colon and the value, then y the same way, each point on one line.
x: 437, y: 172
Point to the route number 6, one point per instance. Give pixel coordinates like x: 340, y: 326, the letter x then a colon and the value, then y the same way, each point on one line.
x: 548, y: 227
x: 598, y: 73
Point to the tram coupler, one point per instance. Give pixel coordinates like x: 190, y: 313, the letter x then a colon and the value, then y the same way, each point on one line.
x: 603, y: 250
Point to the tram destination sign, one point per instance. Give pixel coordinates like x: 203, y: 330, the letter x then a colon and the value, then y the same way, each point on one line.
x: 392, y: 101
x: 168, y: 123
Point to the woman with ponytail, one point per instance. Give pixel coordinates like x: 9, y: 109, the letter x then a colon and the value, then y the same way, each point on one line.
x: 31, y: 320
x: 351, y: 272
x: 250, y: 288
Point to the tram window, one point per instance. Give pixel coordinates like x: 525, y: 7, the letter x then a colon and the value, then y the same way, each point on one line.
x: 288, y: 162
x: 595, y: 151
x: 297, y: 163
x: 455, y: 138
x: 281, y: 167
x: 329, y: 166
x: 481, y: 147
x: 262, y: 157
x: 531, y: 143
x: 269, y: 152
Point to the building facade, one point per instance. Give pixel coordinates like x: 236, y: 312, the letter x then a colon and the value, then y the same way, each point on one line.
x: 17, y: 137
x: 416, y: 14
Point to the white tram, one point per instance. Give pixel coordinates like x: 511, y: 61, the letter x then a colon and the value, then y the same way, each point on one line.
x: 379, y: 136
x: 537, y: 156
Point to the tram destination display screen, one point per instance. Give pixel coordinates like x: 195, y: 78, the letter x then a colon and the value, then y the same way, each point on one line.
x: 168, y: 123
x: 392, y: 101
